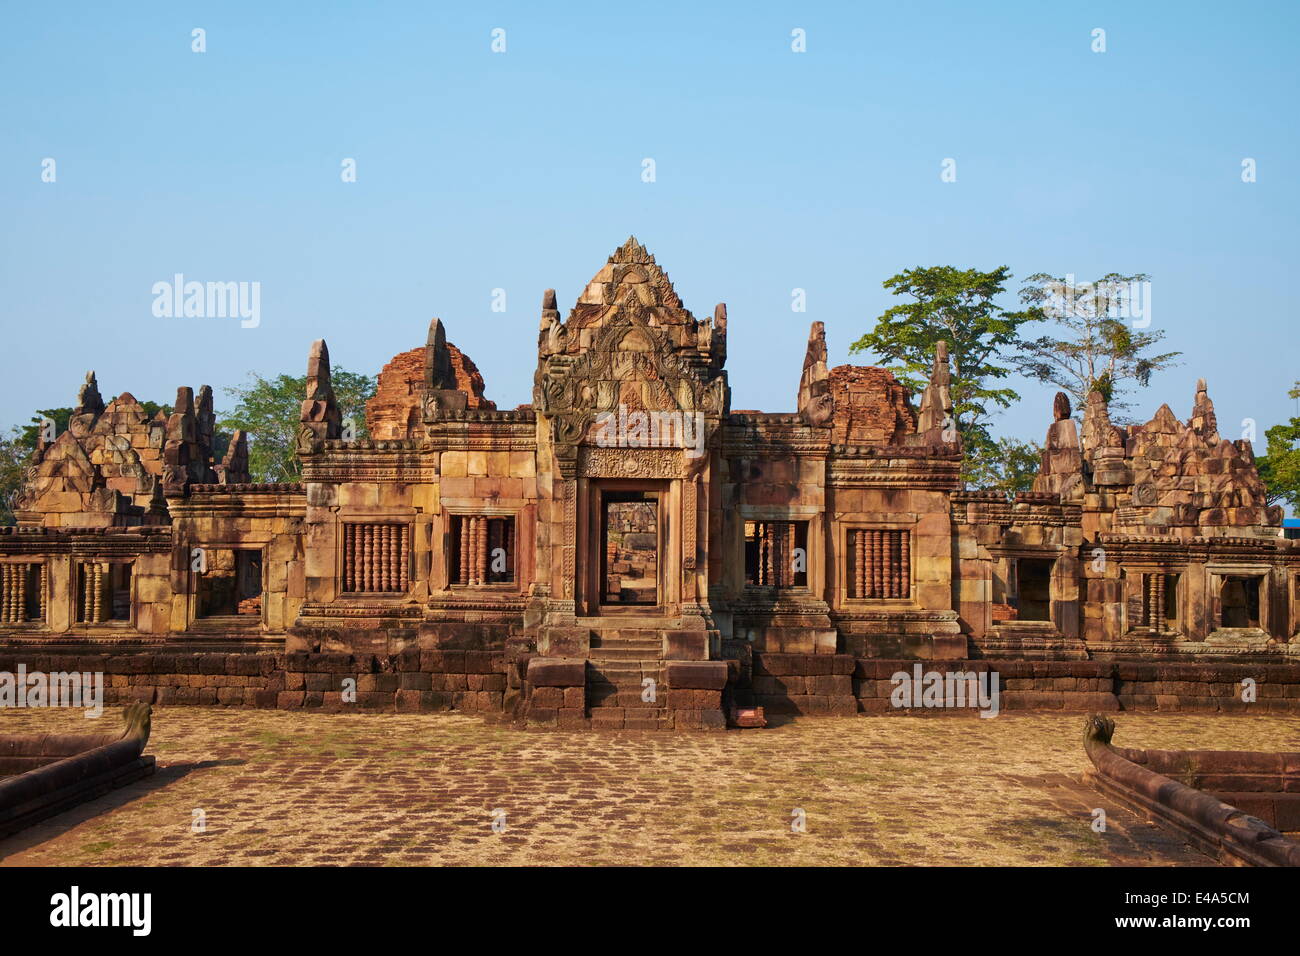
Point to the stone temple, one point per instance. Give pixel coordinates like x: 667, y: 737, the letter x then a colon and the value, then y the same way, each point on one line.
x: 629, y: 518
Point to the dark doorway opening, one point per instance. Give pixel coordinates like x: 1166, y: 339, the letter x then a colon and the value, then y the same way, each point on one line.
x: 232, y: 584
x: 1239, y: 602
x: 1034, y: 589
x: 630, y: 554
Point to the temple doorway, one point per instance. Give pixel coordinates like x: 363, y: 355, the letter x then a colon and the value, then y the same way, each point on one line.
x: 231, y: 584
x: 629, y: 572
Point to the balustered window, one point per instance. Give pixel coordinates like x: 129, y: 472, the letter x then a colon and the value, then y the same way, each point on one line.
x: 879, y: 564
x: 1154, y: 601
x: 776, y: 554
x: 482, y: 550
x: 103, y: 591
x: 22, y: 592
x: 375, y: 558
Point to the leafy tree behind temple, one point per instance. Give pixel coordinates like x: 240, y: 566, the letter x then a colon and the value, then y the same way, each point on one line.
x: 1006, y: 464
x: 1097, y: 348
x: 1280, y: 468
x: 31, y: 433
x: 955, y: 306
x: 268, y: 410
x: 14, y: 456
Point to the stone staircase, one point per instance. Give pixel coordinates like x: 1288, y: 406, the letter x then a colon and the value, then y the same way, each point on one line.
x: 624, y: 652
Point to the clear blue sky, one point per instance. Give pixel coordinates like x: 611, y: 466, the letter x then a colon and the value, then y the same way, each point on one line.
x: 522, y: 171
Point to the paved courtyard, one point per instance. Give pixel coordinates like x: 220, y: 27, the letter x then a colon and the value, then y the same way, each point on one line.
x: 293, y: 788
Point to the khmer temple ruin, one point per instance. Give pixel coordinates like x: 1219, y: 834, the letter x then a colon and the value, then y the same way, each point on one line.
x: 628, y: 525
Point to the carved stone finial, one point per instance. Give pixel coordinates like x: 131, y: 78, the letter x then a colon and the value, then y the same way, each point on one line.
x: 718, y: 340
x: 320, y: 416
x: 89, y: 401
x: 1203, y: 420
x: 234, y: 465
x: 438, y: 372
x: 815, y: 402
x: 319, y: 385
x: 935, y: 416
x: 1061, y: 409
x: 1060, y: 471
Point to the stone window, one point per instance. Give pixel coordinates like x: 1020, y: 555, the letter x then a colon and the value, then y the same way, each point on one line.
x: 1153, y: 602
x: 375, y: 557
x: 879, y: 564
x: 103, y: 591
x: 1239, y: 601
x: 776, y: 554
x: 22, y: 592
x: 1033, y: 592
x: 482, y: 550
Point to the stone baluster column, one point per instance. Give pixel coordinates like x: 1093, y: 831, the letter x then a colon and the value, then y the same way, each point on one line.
x: 394, y: 540
x: 6, y: 593
x: 349, y: 557
x: 859, y: 545
x: 20, y: 592
x: 889, y: 571
x: 873, y: 559
x: 905, y: 564
x: 468, y: 539
x: 96, y: 592
x: 403, y: 557
x: 480, y: 534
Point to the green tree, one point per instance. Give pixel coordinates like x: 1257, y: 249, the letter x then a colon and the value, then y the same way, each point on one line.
x: 956, y: 306
x: 1006, y: 464
x: 15, y: 455
x: 1098, y: 346
x: 1280, y: 468
x: 30, y: 433
x: 267, y: 410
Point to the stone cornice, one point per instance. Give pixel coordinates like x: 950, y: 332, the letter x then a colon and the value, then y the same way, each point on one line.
x: 933, y: 474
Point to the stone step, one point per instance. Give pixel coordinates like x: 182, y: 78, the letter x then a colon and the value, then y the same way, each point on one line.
x: 630, y: 623
x: 629, y: 702
x: 626, y: 664
x: 651, y: 642
x: 628, y: 681
x: 623, y: 654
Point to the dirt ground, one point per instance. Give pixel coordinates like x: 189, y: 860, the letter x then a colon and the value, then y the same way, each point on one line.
x: 298, y: 788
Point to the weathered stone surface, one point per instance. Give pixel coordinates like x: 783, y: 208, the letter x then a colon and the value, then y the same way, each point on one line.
x: 696, y: 675
x: 557, y: 672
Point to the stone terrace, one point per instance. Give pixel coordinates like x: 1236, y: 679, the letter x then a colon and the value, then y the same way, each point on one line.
x: 300, y: 788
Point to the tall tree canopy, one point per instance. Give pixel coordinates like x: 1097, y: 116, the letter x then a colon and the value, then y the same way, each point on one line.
x: 14, y: 456
x: 1280, y: 468
x: 1006, y: 464
x: 1099, y: 344
x: 956, y: 306
x: 267, y: 410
